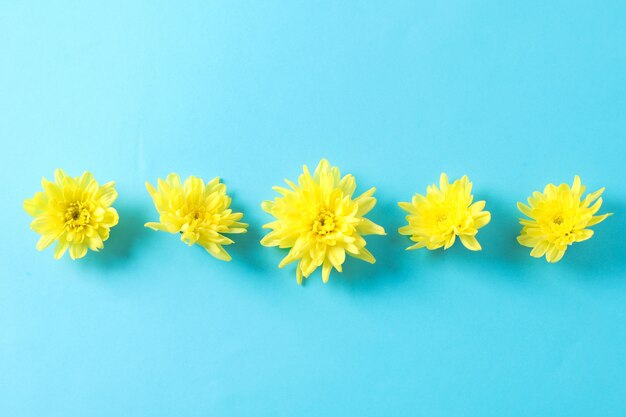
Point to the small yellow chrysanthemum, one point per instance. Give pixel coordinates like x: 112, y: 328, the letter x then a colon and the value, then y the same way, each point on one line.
x: 320, y: 221
x: 76, y: 212
x: 197, y: 211
x: 444, y: 213
x: 559, y: 218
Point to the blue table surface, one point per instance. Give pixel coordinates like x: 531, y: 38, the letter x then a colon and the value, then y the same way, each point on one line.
x: 515, y: 94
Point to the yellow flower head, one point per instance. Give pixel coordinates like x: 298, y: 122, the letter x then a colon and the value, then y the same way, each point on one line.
x: 435, y: 220
x: 558, y: 219
x: 75, y: 212
x: 320, y: 221
x: 197, y: 211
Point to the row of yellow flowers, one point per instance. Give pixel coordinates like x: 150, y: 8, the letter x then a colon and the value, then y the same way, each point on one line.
x: 318, y: 218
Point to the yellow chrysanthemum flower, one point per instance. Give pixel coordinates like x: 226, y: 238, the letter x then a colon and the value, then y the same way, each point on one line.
x: 75, y: 212
x: 199, y: 212
x: 435, y: 220
x: 320, y: 221
x: 558, y: 219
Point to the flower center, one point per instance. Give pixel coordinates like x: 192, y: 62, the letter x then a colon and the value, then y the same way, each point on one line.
x: 197, y: 216
x: 77, y: 215
x: 324, y: 222
x: 195, y: 219
x: 557, y: 219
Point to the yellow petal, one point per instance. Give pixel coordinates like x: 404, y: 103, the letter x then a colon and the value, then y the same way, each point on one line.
x: 526, y: 240
x: 368, y: 227
x: 418, y: 245
x: 150, y: 189
x: 540, y: 250
x: 597, y: 219
x: 554, y: 254
x: 366, y: 204
x: 449, y: 241
x: 596, y: 206
x: 584, y: 235
x: 78, y: 250
x: 364, y: 255
x: 470, y: 242
x: 107, y: 194
x: 336, y: 256
x: 589, y: 198
x: 326, y: 268
x: 576, y: 186
x: 217, y: 251
x: 443, y: 181
x: 95, y: 242
x: 59, y: 175
x: 299, y: 275
x: 482, y: 219
x: 406, y: 230
x: 323, y: 166
x: 45, y: 241
x: 156, y: 226
x: 60, y: 249
x: 36, y: 205
x: 267, y: 206
x: 408, y: 207
x: 348, y: 185
x: 51, y: 189
x: 477, y: 207
x: 525, y: 209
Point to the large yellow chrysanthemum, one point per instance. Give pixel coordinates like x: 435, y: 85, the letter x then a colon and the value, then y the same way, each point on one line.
x: 320, y: 221
x: 435, y: 220
x: 75, y: 212
x: 199, y: 212
x: 558, y: 219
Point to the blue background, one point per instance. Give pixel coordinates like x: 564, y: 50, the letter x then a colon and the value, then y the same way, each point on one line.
x: 514, y: 94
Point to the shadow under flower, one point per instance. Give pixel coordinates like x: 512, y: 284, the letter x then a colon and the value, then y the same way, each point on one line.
x: 389, y: 251
x: 247, y: 249
x: 119, y: 248
x: 604, y: 254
